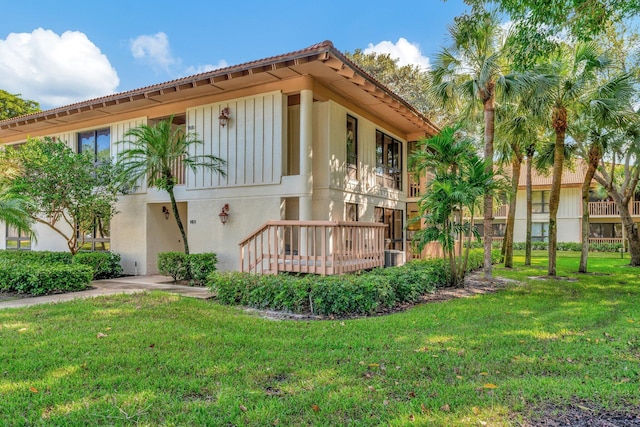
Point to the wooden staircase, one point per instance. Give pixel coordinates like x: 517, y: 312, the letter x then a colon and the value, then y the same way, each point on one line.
x: 318, y: 247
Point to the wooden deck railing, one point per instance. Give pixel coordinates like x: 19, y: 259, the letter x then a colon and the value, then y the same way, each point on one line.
x: 177, y: 169
x: 319, y: 247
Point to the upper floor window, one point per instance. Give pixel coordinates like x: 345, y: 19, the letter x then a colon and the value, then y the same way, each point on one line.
x: 97, y: 142
x: 352, y: 147
x: 540, y: 201
x: 388, y: 161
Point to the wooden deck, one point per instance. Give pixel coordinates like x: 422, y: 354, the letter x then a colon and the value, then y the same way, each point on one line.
x: 319, y: 247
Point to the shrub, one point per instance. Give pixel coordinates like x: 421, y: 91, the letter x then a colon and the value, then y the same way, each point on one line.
x: 361, y: 293
x: 201, y: 265
x: 38, y: 279
x: 37, y: 257
x: 173, y: 264
x: 193, y: 267
x: 105, y: 265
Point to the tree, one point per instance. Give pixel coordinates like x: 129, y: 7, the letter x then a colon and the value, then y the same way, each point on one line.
x: 13, y: 106
x: 409, y: 81
x: 150, y: 153
x: 564, y: 84
x: 602, y: 123
x: 468, y: 74
x: 63, y: 190
x: 519, y: 133
x: 459, y: 179
x: 619, y: 174
x: 537, y: 23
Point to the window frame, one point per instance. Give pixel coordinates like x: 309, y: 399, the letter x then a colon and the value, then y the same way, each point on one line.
x: 97, y: 133
x: 388, y: 171
x: 394, y: 233
x: 351, y: 209
x: 544, y: 235
x: 92, y: 243
x: 352, y: 154
x: 543, y: 204
x: 21, y: 239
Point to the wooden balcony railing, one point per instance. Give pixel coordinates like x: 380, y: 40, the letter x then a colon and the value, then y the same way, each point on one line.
x: 319, y: 247
x: 501, y: 211
x: 177, y: 169
x: 603, y: 209
x: 605, y: 240
x: 608, y: 208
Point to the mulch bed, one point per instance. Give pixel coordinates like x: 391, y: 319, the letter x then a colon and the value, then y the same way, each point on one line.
x: 582, y: 414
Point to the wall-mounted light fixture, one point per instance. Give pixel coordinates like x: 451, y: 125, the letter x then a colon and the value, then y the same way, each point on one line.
x: 166, y: 213
x: 224, y: 214
x: 224, y: 116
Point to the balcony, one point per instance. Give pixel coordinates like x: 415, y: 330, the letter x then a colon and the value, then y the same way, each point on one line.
x: 607, y: 208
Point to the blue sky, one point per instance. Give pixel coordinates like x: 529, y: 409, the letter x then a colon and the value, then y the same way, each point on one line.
x: 57, y: 53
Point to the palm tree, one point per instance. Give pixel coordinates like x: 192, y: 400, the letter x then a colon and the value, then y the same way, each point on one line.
x: 468, y: 74
x: 518, y: 131
x: 601, y: 122
x: 151, y: 151
x: 459, y: 178
x: 564, y: 84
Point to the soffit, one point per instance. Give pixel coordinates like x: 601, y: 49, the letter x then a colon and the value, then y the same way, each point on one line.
x: 322, y: 62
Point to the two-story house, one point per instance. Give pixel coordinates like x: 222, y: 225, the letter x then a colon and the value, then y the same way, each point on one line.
x: 310, y: 141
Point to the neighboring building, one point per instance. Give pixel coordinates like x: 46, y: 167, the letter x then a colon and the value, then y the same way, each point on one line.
x: 310, y: 138
x: 605, y: 225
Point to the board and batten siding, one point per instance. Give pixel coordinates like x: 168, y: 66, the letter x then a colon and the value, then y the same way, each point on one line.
x: 117, y: 131
x: 251, y: 143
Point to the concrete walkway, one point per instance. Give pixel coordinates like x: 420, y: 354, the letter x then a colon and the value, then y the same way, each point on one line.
x: 121, y: 285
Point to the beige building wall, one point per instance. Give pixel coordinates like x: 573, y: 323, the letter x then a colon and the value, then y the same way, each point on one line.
x: 569, y: 215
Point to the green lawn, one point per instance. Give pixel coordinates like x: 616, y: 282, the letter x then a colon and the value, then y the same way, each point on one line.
x: 167, y: 360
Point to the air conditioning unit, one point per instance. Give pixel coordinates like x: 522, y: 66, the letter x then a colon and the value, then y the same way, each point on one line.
x: 393, y: 258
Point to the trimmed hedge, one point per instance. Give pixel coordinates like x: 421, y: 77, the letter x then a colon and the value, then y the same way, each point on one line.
x: 38, y: 279
x: 43, y: 272
x: 37, y: 257
x: 566, y: 246
x: 192, y: 267
x: 351, y: 294
x: 105, y: 265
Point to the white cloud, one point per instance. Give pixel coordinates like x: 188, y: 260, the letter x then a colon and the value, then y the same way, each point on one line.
x: 403, y: 50
x: 55, y: 69
x: 155, y: 51
x: 204, y: 68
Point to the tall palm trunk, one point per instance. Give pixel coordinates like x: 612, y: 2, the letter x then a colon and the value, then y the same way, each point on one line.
x: 511, y: 215
x: 489, y: 123
x: 560, y: 127
x: 595, y: 153
x: 176, y: 214
x: 527, y: 244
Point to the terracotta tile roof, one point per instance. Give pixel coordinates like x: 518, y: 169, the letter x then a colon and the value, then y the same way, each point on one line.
x: 320, y: 51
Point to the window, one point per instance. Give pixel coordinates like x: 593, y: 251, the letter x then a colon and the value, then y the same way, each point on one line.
x: 540, y: 201
x: 393, y: 233
x: 352, y: 147
x: 605, y: 230
x: 499, y: 229
x: 98, y: 238
x: 351, y: 212
x: 388, y: 161
x: 540, y: 232
x: 18, y: 239
x: 97, y: 142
